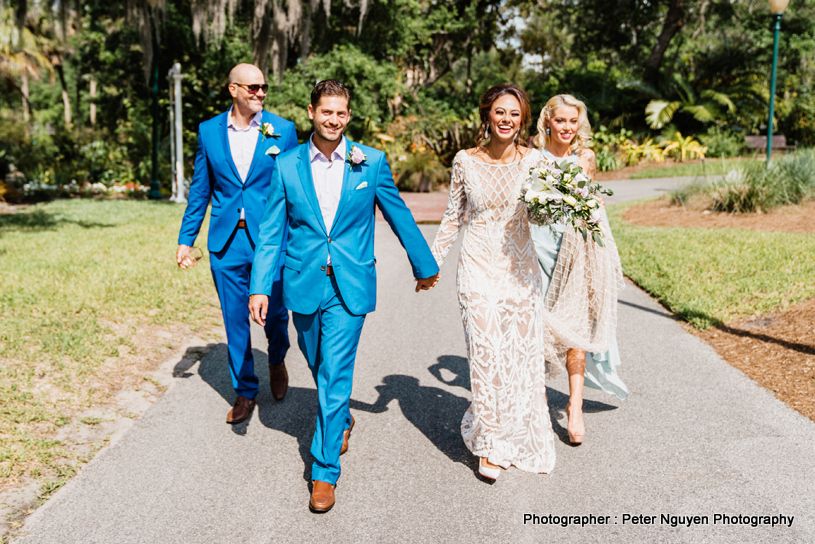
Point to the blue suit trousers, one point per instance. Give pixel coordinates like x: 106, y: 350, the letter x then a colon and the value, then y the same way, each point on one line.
x: 328, y: 339
x: 231, y: 271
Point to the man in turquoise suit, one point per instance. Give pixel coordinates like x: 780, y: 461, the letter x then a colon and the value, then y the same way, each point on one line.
x: 233, y: 168
x: 326, y: 190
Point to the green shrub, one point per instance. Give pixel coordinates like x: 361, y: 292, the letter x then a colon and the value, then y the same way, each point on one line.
x: 606, y: 146
x: 738, y: 198
x: 697, y: 188
x: 723, y: 143
x: 754, y: 187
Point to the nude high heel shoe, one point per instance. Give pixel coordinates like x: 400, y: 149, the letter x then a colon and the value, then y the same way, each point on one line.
x: 575, y: 438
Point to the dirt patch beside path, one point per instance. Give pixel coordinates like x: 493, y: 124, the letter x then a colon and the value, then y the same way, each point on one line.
x: 777, y: 350
x: 660, y: 213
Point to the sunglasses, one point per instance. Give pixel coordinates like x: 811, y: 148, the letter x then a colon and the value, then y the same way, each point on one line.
x: 254, y: 87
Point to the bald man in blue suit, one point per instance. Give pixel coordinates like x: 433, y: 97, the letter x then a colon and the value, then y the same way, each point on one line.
x: 327, y: 190
x: 233, y: 168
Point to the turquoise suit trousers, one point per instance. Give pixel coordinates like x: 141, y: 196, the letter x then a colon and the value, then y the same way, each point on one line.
x: 328, y: 339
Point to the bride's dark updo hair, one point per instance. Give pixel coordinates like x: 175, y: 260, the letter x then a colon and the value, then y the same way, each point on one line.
x: 492, y: 94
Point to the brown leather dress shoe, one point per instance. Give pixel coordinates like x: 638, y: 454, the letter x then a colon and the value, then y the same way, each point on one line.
x: 240, y: 410
x: 345, y: 435
x: 322, y: 497
x: 278, y: 380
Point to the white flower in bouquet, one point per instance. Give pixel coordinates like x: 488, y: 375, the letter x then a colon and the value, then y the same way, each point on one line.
x: 596, y: 216
x: 563, y: 193
x: 542, y: 189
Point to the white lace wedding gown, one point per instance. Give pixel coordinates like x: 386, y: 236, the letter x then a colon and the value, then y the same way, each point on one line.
x: 499, y: 291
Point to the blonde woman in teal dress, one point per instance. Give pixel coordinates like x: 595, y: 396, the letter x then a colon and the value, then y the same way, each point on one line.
x: 563, y: 135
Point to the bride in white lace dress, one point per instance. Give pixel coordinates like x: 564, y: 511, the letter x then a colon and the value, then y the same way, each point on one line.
x: 499, y: 291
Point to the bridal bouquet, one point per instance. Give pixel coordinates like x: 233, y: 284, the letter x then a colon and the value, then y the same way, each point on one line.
x: 555, y: 193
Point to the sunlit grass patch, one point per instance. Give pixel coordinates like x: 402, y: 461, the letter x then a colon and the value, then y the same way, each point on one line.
x: 710, y: 167
x: 712, y: 276
x: 78, y: 280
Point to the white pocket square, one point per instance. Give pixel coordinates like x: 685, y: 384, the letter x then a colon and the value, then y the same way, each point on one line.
x: 361, y: 185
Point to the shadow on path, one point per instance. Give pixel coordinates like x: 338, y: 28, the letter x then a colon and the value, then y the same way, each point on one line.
x: 460, y: 369
x: 456, y: 365
x: 433, y: 411
x: 794, y: 346
x: 296, y: 415
x: 687, y: 315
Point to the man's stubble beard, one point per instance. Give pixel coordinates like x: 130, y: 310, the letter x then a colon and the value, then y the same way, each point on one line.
x: 324, y: 136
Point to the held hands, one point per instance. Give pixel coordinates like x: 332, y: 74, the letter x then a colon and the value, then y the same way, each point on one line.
x: 423, y: 284
x: 258, y: 305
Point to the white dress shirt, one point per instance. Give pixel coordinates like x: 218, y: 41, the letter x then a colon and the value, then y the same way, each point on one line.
x: 242, y: 143
x: 327, y: 174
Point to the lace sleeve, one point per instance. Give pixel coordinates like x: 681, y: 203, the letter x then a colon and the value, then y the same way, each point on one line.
x: 453, y: 217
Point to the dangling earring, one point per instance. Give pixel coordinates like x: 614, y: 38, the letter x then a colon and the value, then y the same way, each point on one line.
x: 487, y: 132
x: 547, y: 131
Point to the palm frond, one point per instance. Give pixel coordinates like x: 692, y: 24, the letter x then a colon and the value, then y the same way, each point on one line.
x: 705, y: 113
x: 660, y: 112
x: 638, y: 85
x: 720, y: 98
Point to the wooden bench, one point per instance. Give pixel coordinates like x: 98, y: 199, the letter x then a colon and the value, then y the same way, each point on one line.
x: 759, y: 143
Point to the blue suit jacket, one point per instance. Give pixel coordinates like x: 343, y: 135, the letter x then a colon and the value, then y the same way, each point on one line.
x: 351, y: 240
x: 216, y: 177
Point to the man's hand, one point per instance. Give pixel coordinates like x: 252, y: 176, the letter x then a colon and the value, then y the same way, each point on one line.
x: 423, y: 284
x: 183, y: 256
x: 258, y: 305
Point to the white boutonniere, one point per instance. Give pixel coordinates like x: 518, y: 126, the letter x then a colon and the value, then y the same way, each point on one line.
x: 267, y: 131
x: 274, y: 150
x: 355, y: 157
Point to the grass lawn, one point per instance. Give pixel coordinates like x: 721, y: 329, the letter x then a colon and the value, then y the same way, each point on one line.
x: 711, y: 167
x: 712, y: 276
x: 79, y: 278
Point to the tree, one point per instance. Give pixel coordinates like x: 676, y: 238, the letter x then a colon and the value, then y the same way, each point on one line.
x: 22, y: 54
x: 703, y: 106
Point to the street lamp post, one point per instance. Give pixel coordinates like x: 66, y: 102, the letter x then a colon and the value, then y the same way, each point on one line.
x: 777, y: 7
x: 155, y: 192
x: 175, y: 76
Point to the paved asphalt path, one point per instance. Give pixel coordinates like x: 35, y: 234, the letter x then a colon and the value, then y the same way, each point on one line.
x: 694, y: 438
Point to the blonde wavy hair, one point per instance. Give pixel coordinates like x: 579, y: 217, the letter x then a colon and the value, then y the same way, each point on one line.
x: 583, y: 135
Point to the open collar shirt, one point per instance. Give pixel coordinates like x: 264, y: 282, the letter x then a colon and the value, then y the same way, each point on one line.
x: 242, y: 143
x: 327, y: 173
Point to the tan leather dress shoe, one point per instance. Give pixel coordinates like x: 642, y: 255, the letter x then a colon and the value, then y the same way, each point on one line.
x: 278, y: 380
x: 240, y: 410
x: 322, y: 497
x: 345, y: 435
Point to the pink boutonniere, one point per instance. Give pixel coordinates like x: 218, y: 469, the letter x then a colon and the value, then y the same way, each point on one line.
x: 355, y: 157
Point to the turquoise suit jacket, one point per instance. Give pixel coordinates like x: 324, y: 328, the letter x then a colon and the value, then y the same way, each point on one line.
x: 351, y: 240
x: 216, y: 177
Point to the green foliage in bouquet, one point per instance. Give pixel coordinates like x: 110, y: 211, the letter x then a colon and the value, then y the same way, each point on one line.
x: 563, y: 193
